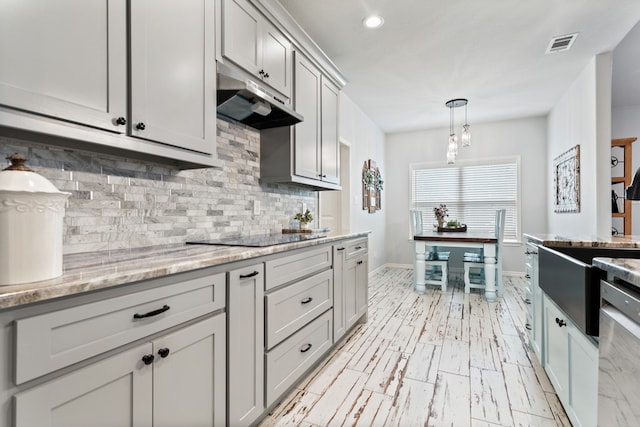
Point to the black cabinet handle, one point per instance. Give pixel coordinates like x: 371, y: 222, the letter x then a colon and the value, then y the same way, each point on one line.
x: 306, y: 300
x: 561, y: 322
x: 340, y: 249
x: 359, y: 262
x: 246, y: 276
x: 527, y: 301
x: 528, y: 326
x: 266, y: 75
x: 141, y: 126
x: 164, y: 352
x: 152, y: 313
x: 261, y: 72
x: 526, y: 276
x: 306, y: 348
x: 147, y: 359
x: 358, y: 248
x: 121, y: 121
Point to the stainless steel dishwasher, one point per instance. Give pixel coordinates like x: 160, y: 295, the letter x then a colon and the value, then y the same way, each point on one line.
x: 619, y: 349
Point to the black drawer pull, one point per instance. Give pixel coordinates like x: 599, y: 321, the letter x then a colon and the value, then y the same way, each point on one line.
x: 306, y: 300
x: 164, y: 352
x: 152, y: 313
x: 561, y: 322
x: 306, y: 348
x: 358, y: 248
x: 340, y: 249
x: 526, y: 276
x: 246, y: 276
x: 147, y: 359
x: 527, y: 301
x: 359, y: 262
x: 528, y: 326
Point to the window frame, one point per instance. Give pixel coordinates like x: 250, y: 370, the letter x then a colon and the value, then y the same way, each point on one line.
x: 478, y: 162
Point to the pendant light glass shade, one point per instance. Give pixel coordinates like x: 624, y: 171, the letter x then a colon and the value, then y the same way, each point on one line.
x: 452, y: 148
x: 466, y: 135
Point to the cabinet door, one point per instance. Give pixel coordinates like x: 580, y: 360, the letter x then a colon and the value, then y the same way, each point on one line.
x: 113, y: 392
x: 556, y: 349
x: 307, y: 133
x: 339, y: 320
x: 241, y: 40
x: 173, y: 73
x: 65, y: 59
x: 362, y: 286
x: 583, y: 378
x: 276, y: 59
x: 330, y: 144
x: 190, y: 375
x: 349, y: 283
x: 245, y: 311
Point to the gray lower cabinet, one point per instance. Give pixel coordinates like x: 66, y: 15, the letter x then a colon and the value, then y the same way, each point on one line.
x: 533, y: 301
x: 151, y: 353
x: 176, y: 379
x: 292, y: 358
x: 245, y: 311
x: 351, y: 284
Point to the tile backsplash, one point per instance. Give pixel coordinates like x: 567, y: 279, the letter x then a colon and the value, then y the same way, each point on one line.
x: 119, y: 203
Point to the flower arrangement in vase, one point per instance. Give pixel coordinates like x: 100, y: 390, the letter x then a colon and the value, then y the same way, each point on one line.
x: 441, y: 212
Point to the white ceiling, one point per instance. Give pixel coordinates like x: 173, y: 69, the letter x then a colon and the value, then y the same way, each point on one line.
x: 489, y: 51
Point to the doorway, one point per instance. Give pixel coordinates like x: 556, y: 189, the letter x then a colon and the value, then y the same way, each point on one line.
x: 334, y: 206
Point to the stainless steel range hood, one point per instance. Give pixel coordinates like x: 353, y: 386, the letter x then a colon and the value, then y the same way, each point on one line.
x: 245, y: 101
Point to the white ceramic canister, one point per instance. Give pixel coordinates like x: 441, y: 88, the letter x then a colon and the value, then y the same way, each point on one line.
x: 31, y: 225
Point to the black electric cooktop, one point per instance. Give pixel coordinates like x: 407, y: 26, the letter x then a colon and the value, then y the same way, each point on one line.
x: 259, y: 241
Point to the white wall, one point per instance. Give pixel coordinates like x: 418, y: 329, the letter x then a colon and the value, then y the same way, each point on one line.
x: 523, y: 137
x: 625, y: 123
x: 583, y: 116
x: 367, y: 141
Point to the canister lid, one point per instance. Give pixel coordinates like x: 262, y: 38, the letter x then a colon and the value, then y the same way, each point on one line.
x: 19, y: 177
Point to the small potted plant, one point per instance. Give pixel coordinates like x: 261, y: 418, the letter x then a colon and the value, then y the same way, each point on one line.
x: 304, y: 219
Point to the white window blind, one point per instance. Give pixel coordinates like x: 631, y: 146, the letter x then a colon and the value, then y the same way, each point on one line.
x: 471, y: 192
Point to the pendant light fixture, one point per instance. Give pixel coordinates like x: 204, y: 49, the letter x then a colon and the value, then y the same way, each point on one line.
x: 452, y: 148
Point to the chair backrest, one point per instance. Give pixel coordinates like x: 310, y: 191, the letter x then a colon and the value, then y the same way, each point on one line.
x: 415, y: 218
x: 500, y: 220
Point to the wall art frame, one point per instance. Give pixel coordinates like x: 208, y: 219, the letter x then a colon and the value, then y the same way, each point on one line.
x: 372, y: 184
x: 566, y: 181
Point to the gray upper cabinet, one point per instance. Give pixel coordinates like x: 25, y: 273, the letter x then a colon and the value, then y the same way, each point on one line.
x: 307, y: 133
x: 173, y: 73
x: 253, y: 43
x: 308, y: 153
x: 66, y: 59
x: 330, y: 146
x: 66, y: 78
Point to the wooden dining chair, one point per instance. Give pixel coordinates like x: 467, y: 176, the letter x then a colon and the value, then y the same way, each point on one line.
x: 474, y: 262
x: 436, y: 262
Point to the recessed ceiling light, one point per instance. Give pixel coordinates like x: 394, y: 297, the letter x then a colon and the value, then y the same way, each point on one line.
x: 373, y: 21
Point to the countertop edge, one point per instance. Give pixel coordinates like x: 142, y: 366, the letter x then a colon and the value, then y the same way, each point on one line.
x: 627, y: 269
x: 101, y: 270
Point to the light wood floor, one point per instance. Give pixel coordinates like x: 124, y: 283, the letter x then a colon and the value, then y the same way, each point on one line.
x: 436, y: 359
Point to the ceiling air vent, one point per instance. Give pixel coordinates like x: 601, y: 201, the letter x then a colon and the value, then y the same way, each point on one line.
x: 560, y: 43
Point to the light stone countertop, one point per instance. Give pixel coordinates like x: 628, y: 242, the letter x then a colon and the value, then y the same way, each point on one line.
x: 99, y: 270
x: 555, y: 240
x: 626, y: 269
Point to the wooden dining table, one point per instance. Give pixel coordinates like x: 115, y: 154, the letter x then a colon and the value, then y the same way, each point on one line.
x: 429, y: 241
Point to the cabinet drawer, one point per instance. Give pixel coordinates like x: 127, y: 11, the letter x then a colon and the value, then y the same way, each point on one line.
x: 57, y: 339
x: 291, y: 267
x: 287, y: 362
x: 290, y: 308
x: 355, y: 248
